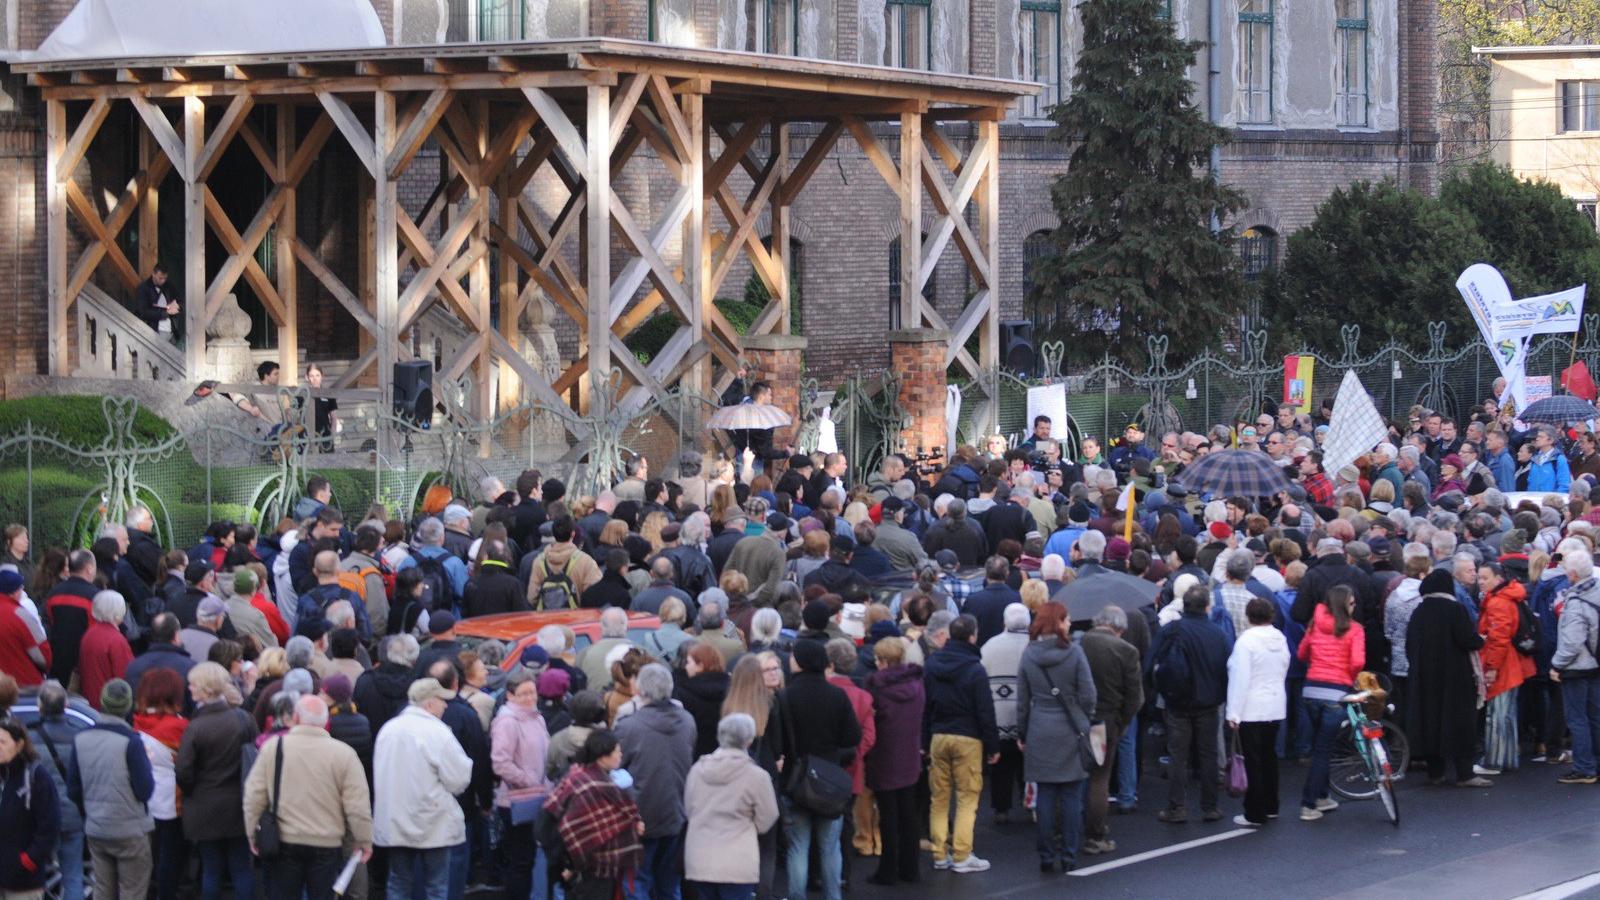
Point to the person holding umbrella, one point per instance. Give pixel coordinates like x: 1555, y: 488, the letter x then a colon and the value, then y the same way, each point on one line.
x: 750, y: 422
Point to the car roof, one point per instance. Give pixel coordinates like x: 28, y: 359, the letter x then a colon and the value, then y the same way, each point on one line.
x: 516, y: 625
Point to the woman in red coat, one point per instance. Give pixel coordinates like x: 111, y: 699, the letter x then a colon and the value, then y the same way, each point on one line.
x: 1504, y: 669
x: 104, y: 653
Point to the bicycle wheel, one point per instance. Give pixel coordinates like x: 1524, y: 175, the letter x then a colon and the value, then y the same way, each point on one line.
x: 1398, y: 748
x: 1382, y: 768
x: 1349, y: 774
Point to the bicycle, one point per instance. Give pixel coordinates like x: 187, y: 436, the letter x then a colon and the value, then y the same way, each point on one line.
x: 1369, y: 755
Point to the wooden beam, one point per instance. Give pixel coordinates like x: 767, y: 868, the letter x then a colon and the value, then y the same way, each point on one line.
x: 164, y: 134
x: 416, y: 131
x: 666, y: 107
x: 648, y: 248
x: 83, y: 208
x: 241, y: 259
x: 59, y: 88
x: 780, y: 223
x: 743, y: 220
x: 222, y: 135
x: 623, y: 103
x: 910, y: 192
x: 87, y: 128
x: 326, y: 277
x: 194, y: 225
x: 989, y: 227
x: 153, y: 168
x: 732, y: 149
x: 800, y: 175
x: 258, y: 148
x: 561, y: 127
x: 356, y: 133
x: 57, y: 348
x: 696, y: 247
x: 284, y: 238
x: 878, y: 156
x: 597, y: 257
x: 411, y: 303
x: 386, y: 251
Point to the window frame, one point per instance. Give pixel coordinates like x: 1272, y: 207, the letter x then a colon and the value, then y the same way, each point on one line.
x: 930, y: 291
x: 1585, y: 107
x: 1350, y: 33
x: 1036, y: 11
x: 895, y: 37
x: 471, y: 17
x: 1250, y: 23
x: 1258, y: 251
x: 1036, y: 247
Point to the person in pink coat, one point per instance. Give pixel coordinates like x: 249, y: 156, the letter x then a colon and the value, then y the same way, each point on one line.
x: 1334, y: 650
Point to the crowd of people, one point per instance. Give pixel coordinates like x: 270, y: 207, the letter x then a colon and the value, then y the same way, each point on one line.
x: 793, y: 672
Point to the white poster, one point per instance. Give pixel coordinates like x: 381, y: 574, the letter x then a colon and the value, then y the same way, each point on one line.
x: 1539, y: 388
x: 1049, y: 400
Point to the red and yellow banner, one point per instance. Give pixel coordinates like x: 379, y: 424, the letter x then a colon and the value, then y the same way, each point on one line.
x: 1297, y: 382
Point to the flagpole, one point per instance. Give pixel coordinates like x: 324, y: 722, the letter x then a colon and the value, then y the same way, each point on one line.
x: 1572, y: 360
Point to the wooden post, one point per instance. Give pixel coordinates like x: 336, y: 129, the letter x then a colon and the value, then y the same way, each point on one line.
x: 696, y: 244
x: 57, y: 351
x: 283, y: 251
x: 780, y: 225
x: 597, y: 215
x: 385, y: 253
x: 510, y: 295
x: 194, y: 238
x: 482, y: 403
x: 149, y: 208
x: 910, y: 220
x: 988, y: 197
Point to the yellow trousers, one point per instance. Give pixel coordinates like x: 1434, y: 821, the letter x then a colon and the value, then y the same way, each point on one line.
x: 955, y: 764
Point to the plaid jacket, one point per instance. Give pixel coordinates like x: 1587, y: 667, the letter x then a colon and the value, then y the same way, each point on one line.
x: 598, y: 823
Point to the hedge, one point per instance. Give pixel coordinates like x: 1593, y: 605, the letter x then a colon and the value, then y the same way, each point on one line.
x: 77, y: 420
x: 653, y: 335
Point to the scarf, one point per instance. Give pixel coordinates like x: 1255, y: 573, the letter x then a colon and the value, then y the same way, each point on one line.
x: 597, y: 823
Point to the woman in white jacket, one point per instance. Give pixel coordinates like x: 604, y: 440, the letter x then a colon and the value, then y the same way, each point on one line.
x: 1257, y: 702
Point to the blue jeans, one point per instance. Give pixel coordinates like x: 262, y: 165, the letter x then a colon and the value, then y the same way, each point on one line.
x: 460, y: 863
x: 1297, y: 724
x: 800, y: 826
x: 1325, y: 718
x: 70, y: 857
x: 1059, y: 805
x: 419, y: 874
x: 1581, y: 696
x: 660, y: 876
x: 232, y: 855
x: 1127, y: 780
x: 709, y: 891
x: 171, y: 858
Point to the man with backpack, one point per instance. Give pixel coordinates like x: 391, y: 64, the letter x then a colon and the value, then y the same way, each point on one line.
x: 444, y: 575
x: 314, y: 603
x: 1189, y: 666
x: 1576, y: 663
x: 365, y: 574
x: 562, y: 573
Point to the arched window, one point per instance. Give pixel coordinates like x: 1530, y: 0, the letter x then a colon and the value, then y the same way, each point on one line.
x: 1258, y: 249
x: 1036, y: 248
x: 928, y: 290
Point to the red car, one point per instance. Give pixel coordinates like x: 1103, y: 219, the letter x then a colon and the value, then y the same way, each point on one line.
x: 520, y: 629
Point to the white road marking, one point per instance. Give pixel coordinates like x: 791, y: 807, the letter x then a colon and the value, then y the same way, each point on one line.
x: 1175, y: 848
x: 1564, y: 889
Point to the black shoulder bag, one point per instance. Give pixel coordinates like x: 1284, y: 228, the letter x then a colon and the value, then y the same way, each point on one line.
x: 269, y: 843
x: 1092, y: 756
x: 819, y: 786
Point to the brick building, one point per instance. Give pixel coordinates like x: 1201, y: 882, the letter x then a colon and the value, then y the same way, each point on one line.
x: 1315, y: 96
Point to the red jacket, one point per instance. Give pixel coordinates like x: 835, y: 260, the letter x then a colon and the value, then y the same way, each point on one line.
x: 280, y: 629
x: 1330, y: 659
x: 1497, y: 622
x: 861, y: 702
x: 103, y: 655
x: 15, y: 642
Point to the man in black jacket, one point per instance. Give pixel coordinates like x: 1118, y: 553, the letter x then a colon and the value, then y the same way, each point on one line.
x: 1331, y: 568
x: 825, y: 727
x: 1008, y: 519
x: 155, y: 305
x: 1189, y: 666
x: 720, y: 547
x: 144, y: 554
x: 529, y: 513
x: 478, y: 798
x: 959, y: 731
x: 380, y: 692
x: 957, y: 533
x: 988, y: 606
x: 495, y: 588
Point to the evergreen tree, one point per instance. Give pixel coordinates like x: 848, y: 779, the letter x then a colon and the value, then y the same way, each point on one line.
x: 1135, y: 254
x: 1535, y: 234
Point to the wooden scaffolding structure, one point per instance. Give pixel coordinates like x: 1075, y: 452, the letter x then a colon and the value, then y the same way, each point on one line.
x: 500, y: 113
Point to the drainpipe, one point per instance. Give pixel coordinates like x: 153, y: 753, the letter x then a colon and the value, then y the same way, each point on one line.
x: 1214, y: 88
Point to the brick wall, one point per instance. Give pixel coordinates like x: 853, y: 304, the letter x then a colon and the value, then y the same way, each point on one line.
x: 918, y: 358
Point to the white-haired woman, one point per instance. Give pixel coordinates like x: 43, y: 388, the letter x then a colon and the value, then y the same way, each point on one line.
x: 104, y: 653
x: 729, y: 802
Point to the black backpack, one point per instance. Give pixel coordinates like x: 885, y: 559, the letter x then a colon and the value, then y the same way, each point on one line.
x: 556, y: 590
x: 435, y: 583
x: 1526, y: 640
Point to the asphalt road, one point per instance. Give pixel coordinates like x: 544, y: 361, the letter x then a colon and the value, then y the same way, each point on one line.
x: 1520, y: 837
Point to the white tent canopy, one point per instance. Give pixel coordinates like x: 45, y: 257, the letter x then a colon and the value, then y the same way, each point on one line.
x: 98, y: 29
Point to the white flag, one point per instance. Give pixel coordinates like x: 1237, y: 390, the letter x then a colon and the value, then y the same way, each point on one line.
x: 1125, y: 499
x: 1355, y: 427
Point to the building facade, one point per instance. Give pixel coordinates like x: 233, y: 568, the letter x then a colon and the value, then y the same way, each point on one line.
x: 1544, y: 116
x: 1315, y: 96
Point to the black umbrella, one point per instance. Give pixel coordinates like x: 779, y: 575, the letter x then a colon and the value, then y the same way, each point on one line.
x: 1088, y: 594
x: 1559, y: 410
x: 1235, y: 473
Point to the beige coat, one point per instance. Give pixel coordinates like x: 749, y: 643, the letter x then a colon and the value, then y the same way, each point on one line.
x: 729, y: 802
x: 324, y: 790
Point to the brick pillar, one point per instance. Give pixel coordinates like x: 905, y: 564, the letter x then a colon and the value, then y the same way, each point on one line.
x: 776, y: 359
x: 917, y: 356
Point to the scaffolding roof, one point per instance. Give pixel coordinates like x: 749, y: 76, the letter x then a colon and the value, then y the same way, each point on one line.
x: 758, y: 78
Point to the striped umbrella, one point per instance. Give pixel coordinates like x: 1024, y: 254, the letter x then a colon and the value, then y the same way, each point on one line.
x: 1235, y: 473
